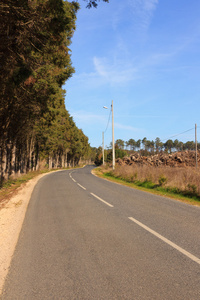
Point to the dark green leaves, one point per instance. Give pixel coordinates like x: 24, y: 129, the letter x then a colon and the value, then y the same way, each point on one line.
x: 93, y: 3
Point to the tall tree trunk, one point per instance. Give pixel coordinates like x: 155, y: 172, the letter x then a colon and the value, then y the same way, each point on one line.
x: 50, y: 162
x: 3, y: 164
x: 36, y: 152
x: 13, y: 160
x: 62, y: 160
x: 65, y: 162
x: 8, y: 160
x: 56, y: 161
x: 31, y: 149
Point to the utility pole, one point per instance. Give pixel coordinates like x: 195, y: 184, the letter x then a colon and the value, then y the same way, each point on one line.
x: 113, y: 139
x: 196, y: 145
x: 103, y: 146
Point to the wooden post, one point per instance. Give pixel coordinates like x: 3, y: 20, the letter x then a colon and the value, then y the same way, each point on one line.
x: 196, y: 145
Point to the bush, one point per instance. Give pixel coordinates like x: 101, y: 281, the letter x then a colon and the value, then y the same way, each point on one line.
x: 119, y: 153
x: 192, y: 188
x: 162, y: 179
x: 98, y: 159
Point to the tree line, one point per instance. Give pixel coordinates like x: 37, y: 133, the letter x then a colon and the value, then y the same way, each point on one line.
x: 35, y: 62
x: 152, y: 146
x: 144, y: 147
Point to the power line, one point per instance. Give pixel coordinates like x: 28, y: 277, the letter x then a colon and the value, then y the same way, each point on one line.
x: 178, y: 134
x: 108, y: 121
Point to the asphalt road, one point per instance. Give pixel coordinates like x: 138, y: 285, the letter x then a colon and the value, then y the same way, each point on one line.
x: 87, y: 238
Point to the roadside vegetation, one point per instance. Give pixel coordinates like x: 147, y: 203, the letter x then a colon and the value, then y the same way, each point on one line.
x: 10, y: 187
x: 163, y: 168
x: 35, y: 63
x: 177, y: 183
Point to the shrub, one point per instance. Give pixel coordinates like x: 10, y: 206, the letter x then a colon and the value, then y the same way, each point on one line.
x: 175, y: 180
x: 192, y: 188
x: 162, y: 179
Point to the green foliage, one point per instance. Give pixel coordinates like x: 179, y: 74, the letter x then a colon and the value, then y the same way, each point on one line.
x: 192, y: 188
x: 99, y: 157
x: 190, y: 192
x: 35, y: 62
x: 162, y: 180
x: 146, y: 184
x: 119, y: 144
x: 93, y: 3
x: 98, y: 160
x: 149, y: 147
x: 119, y: 153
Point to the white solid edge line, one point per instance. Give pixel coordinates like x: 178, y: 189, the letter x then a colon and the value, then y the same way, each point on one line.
x: 188, y: 254
x: 73, y: 179
x: 81, y: 186
x: 101, y: 200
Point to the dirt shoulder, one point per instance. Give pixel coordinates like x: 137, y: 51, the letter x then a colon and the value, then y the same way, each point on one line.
x: 11, y: 220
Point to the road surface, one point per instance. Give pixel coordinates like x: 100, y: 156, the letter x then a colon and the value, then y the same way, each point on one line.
x: 87, y: 238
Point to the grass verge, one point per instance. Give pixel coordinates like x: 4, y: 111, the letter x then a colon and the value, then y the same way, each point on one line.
x: 186, y: 196
x: 9, y: 187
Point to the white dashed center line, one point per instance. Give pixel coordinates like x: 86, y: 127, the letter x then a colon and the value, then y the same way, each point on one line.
x: 186, y: 253
x: 101, y: 200
x: 81, y: 186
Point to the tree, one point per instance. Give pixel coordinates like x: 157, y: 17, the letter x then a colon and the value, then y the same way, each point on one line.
x: 144, y: 142
x: 158, y: 144
x: 120, y: 153
x: 34, y: 59
x: 176, y: 144
x: 138, y: 144
x: 180, y: 146
x: 119, y: 144
x: 190, y: 145
x: 99, y: 157
x: 93, y: 3
x: 168, y: 145
x: 149, y: 145
x: 35, y: 62
x: 132, y: 144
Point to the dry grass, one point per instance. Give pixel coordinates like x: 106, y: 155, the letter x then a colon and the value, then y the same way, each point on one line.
x: 185, y: 181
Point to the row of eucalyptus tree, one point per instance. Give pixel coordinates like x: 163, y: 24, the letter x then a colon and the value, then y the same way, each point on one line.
x: 34, y: 64
x: 155, y: 146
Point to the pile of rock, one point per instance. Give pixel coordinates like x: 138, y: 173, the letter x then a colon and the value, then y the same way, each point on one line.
x: 176, y: 159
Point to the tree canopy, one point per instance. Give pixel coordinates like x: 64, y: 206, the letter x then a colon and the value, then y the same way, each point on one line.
x: 35, y: 62
x: 93, y: 3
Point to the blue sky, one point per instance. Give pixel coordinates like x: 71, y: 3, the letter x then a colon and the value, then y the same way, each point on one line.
x: 145, y: 56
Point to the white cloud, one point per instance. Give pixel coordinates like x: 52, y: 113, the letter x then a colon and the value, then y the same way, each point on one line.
x: 115, y: 73
x: 149, y: 5
x: 121, y: 72
x: 139, y: 14
x: 85, y: 117
x: 143, y: 11
x: 125, y: 127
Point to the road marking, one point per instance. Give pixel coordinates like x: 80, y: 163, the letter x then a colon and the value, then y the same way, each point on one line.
x: 101, y: 200
x: 73, y: 179
x: 188, y: 254
x: 81, y: 186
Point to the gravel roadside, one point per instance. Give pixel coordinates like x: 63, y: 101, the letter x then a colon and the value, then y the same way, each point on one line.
x: 11, y: 220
